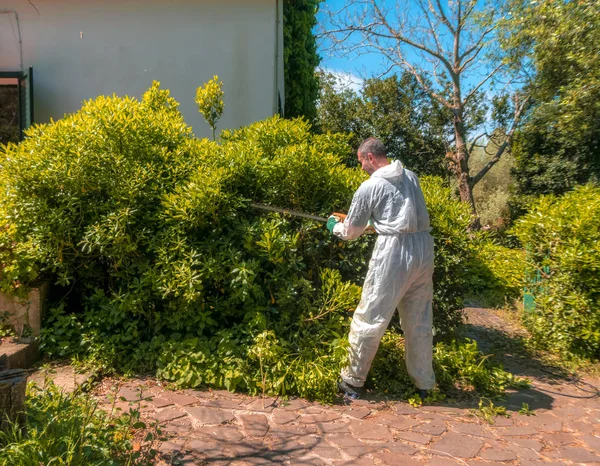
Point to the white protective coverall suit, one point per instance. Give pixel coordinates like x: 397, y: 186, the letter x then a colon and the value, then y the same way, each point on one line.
x: 399, y: 276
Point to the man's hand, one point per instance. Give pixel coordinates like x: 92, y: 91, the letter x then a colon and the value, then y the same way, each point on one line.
x: 332, y: 221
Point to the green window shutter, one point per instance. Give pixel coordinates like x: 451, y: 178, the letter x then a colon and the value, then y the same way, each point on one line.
x: 26, y: 100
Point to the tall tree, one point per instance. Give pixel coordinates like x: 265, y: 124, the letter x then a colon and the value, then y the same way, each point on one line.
x: 300, y: 58
x: 448, y: 47
x: 396, y: 110
x: 557, y: 42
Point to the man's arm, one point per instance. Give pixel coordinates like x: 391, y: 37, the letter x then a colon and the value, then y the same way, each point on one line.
x: 358, y: 216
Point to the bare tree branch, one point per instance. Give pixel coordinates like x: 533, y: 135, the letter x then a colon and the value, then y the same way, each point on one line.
x: 519, y: 107
x: 487, y: 78
x: 474, y: 143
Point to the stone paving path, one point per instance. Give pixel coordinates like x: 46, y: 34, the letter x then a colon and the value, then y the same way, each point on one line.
x: 220, y: 428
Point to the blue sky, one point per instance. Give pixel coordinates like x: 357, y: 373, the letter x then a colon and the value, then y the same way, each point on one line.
x: 353, y: 70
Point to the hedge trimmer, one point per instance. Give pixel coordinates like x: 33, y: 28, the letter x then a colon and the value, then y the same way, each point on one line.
x: 339, y: 216
x: 296, y: 213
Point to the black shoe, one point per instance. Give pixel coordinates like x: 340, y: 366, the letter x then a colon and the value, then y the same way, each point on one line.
x: 349, y: 391
x: 423, y: 394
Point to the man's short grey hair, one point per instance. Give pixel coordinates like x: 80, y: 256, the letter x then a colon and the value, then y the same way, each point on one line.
x: 373, y: 146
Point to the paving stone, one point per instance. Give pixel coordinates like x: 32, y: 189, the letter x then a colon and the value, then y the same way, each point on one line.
x: 477, y: 430
x: 542, y: 463
x: 570, y: 412
x: 246, y: 448
x: 414, y: 437
x: 544, y: 423
x: 160, y: 402
x: 395, y: 459
x: 130, y: 394
x: 394, y: 421
x: 228, y: 433
x: 188, y: 460
x: 592, y: 441
x: 431, y: 428
x: 334, y: 427
x: 121, y: 407
x: 284, y: 417
x: 532, y: 444
x: 501, y: 421
x: 169, y: 414
x: 303, y: 461
x: 343, y: 441
x: 358, y: 462
x: 179, y: 425
x: 210, y: 416
x: 206, y: 446
x: 330, y: 453
x: 496, y: 452
x: 360, y: 402
x: 223, y: 403
x: 559, y: 439
x: 181, y: 399
x: 287, y: 431
x: 226, y: 394
x: 443, y: 461
x: 457, y: 445
x: 579, y: 455
x: 357, y: 451
x: 200, y: 394
x: 357, y: 413
x: 171, y: 446
x: 313, y: 409
x: 254, y: 425
x: 263, y: 406
x: 405, y: 409
x: 516, y: 431
x: 294, y: 404
x: 399, y: 448
x: 318, y: 418
x: 370, y: 431
x: 582, y: 427
x: 285, y: 445
x: 523, y: 453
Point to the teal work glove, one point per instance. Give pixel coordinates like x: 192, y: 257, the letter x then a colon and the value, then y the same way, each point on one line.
x: 331, y: 222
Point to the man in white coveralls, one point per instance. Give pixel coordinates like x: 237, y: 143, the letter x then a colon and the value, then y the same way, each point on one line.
x: 400, y: 271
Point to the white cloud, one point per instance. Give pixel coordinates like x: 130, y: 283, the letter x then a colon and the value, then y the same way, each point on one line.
x: 346, y: 80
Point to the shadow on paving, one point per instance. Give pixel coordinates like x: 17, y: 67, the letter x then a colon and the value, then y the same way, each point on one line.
x: 510, y: 348
x: 254, y: 452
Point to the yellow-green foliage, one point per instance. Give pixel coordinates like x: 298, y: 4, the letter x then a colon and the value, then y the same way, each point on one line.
x: 562, y: 239
x: 497, y: 271
x: 450, y: 219
x: 71, y: 429
x: 166, y: 266
x: 209, y: 98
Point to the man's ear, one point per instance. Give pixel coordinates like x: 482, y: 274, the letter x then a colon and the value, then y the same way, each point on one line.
x: 371, y: 158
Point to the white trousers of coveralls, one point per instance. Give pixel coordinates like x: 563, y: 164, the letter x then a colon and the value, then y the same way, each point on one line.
x: 399, y: 276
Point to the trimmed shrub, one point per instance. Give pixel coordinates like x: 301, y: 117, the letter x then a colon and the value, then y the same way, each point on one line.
x: 160, y: 262
x: 562, y: 238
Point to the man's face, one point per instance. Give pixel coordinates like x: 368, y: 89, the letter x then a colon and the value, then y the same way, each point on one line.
x: 366, y: 162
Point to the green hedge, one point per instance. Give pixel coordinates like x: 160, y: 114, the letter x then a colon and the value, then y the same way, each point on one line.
x: 161, y: 264
x: 562, y: 238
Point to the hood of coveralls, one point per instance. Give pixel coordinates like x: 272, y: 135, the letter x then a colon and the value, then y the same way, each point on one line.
x: 394, y: 170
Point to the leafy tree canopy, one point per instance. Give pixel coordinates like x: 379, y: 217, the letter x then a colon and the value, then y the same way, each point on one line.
x: 557, y: 42
x: 397, y: 110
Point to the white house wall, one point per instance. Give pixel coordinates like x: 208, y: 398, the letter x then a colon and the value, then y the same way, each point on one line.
x: 80, y: 49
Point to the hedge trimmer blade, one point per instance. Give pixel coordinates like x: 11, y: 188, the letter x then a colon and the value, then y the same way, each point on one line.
x: 295, y: 213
